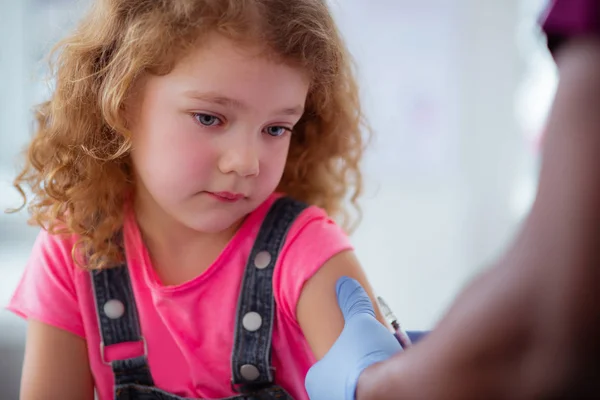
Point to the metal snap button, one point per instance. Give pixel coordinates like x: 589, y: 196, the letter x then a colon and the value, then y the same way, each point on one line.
x: 114, y: 309
x: 252, y: 321
x: 262, y: 260
x: 249, y: 372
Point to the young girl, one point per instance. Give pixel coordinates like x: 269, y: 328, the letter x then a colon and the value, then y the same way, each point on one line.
x: 173, y: 262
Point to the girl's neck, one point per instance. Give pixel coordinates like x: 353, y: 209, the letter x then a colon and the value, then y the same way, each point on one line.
x: 178, y: 253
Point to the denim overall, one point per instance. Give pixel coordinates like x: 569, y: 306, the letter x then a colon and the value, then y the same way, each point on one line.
x: 252, y: 373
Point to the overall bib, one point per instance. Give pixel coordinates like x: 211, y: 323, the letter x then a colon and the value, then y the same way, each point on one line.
x: 252, y: 373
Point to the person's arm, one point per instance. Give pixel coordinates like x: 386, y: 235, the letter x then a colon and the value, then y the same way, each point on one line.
x: 363, y: 341
x: 318, y: 312
x: 529, y: 327
x: 56, y: 365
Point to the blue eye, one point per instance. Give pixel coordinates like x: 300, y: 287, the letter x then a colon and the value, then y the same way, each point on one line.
x: 277, y: 130
x: 207, y: 119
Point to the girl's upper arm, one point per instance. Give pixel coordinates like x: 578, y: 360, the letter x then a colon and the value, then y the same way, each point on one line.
x: 318, y: 312
x: 56, y: 365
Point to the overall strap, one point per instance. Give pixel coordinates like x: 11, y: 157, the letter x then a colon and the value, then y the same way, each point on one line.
x: 251, y: 357
x: 118, y: 321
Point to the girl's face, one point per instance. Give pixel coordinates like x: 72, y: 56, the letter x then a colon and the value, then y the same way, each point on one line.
x: 211, y: 138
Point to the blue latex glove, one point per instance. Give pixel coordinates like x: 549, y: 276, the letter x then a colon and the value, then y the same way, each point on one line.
x: 364, y: 341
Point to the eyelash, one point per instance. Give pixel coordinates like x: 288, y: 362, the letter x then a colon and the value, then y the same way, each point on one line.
x: 198, y: 116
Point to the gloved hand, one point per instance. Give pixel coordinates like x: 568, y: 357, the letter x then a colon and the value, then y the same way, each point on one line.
x: 364, y: 341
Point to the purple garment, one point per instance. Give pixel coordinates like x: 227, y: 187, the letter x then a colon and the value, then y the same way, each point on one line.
x: 568, y: 18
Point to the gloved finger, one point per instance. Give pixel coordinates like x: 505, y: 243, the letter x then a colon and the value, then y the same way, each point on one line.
x: 352, y: 298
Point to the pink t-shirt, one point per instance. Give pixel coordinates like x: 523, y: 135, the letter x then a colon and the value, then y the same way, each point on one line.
x: 189, y: 328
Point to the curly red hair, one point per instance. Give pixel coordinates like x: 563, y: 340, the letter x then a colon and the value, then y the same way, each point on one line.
x: 78, y: 165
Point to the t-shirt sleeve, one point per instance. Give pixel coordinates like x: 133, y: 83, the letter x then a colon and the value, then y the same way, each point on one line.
x: 46, y: 291
x: 313, y: 239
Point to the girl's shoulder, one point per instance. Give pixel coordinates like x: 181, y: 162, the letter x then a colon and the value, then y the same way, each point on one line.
x: 54, y: 252
x: 47, y: 289
x: 312, y: 240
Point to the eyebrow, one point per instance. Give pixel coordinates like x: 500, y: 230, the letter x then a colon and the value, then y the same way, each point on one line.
x: 215, y: 98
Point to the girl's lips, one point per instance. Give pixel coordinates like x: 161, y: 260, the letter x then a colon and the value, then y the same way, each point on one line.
x: 227, y: 197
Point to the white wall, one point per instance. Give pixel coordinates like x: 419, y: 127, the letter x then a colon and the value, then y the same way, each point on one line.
x: 440, y: 81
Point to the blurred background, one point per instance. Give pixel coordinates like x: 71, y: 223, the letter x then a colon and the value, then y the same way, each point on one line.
x: 456, y: 91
